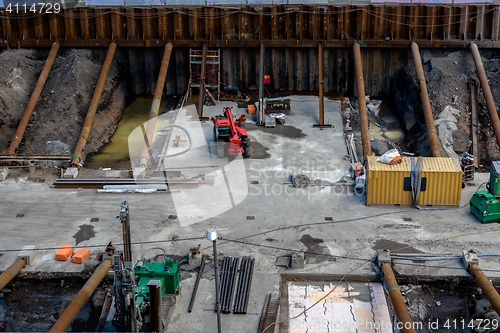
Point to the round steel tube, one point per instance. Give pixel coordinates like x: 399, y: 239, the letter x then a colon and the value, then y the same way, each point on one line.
x: 398, y: 303
x: 94, y: 103
x: 67, y: 317
x: 217, y: 297
x: 321, y: 85
x: 28, y: 111
x: 484, y: 283
x: 426, y: 104
x: 202, y: 80
x: 490, y: 103
x: 11, y: 272
x: 363, y: 113
x: 155, y: 107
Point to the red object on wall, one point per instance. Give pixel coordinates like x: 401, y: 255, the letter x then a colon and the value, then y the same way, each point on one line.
x: 267, y: 79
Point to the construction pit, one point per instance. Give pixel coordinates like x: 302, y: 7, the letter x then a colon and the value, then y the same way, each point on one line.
x: 325, y: 230
x: 291, y: 240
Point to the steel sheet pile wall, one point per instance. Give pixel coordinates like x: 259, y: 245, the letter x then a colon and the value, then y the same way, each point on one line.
x: 279, y: 25
x: 391, y: 184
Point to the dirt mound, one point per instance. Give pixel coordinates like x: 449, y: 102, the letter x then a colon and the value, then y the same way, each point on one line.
x: 20, y: 70
x: 448, y: 74
x: 61, y: 109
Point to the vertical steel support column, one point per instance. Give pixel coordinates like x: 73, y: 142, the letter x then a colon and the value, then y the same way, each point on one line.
x: 397, y: 300
x: 67, y: 317
x: 261, y: 85
x: 11, y: 272
x: 363, y: 113
x: 28, y: 112
x: 488, y: 290
x: 492, y: 110
x: 155, y: 305
x: 426, y: 105
x: 202, y: 79
x: 94, y: 103
x: 125, y: 221
x: 155, y: 107
x: 217, y: 288
x: 321, y: 85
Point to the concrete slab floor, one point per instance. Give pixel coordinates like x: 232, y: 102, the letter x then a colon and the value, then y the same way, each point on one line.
x: 335, y: 228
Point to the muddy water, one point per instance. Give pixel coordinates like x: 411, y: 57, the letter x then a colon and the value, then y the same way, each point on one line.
x: 115, y: 154
x: 392, y: 129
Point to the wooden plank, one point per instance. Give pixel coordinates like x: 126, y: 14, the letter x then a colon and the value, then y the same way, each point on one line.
x: 474, y: 122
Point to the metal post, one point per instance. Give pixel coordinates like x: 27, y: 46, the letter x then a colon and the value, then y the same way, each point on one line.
x: 125, y: 220
x: 28, y: 112
x: 217, y: 301
x: 94, y: 103
x: 11, y: 272
x: 197, y: 283
x: 67, y: 317
x: 261, y: 118
x: 202, y: 79
x: 155, y: 107
x: 490, y: 102
x: 363, y: 113
x: 488, y: 290
x: 398, y: 303
x: 321, y: 85
x: 426, y: 104
x: 155, y: 305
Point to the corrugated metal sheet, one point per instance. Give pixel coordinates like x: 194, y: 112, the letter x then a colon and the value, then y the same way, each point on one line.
x: 105, y: 3
x: 441, y: 176
x: 144, y: 2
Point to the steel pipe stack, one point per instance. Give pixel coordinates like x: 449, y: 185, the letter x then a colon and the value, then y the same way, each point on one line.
x: 244, y: 284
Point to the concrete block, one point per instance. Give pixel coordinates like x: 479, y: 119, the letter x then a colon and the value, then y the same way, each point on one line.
x: 139, y: 173
x: 383, y: 257
x: 3, y: 174
x: 70, y: 173
x: 468, y: 258
x: 27, y: 253
x: 298, y: 260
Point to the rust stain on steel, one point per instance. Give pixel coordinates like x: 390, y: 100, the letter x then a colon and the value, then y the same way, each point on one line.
x: 155, y: 107
x: 94, y: 103
x: 363, y: 113
x: 278, y: 23
x: 426, y: 104
x: 490, y: 102
x: 397, y: 299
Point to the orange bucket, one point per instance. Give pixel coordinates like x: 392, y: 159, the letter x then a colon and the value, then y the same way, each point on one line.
x: 251, y: 109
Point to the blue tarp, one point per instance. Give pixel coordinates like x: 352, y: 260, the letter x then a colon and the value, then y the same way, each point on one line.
x: 106, y: 3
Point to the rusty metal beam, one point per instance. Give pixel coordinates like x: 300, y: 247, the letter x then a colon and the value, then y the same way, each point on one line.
x: 490, y: 102
x: 201, y: 96
x: 321, y: 85
x: 28, y: 112
x: 155, y: 107
x: 69, y: 314
x: 94, y: 103
x: 398, y: 303
x: 363, y: 113
x: 485, y: 284
x: 426, y: 104
x: 11, y: 272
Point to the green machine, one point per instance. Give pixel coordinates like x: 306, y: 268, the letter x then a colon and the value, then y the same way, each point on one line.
x: 167, y: 272
x: 484, y: 204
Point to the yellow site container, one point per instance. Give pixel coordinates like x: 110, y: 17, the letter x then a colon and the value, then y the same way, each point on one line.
x: 391, y: 184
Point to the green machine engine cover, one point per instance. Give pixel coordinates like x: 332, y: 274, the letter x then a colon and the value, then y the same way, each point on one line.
x: 485, y: 207
x: 495, y: 178
x: 167, y: 272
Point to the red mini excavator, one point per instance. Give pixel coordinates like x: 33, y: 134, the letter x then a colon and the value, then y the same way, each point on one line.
x: 227, y: 130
